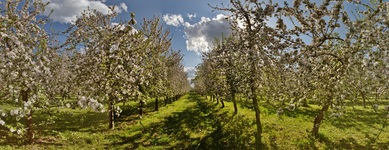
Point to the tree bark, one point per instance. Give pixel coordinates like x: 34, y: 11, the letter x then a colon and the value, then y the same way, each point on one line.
x: 319, y: 118
x: 253, y: 78
x: 222, y: 103
x: 232, y: 91
x: 30, y: 129
x: 140, y: 107
x: 233, y: 99
x: 111, y: 112
x: 363, y: 99
x: 29, y: 123
x: 156, y: 104
x: 258, y: 136
x: 376, y: 95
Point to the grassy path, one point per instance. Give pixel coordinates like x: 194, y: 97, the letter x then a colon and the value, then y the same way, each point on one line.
x: 192, y: 122
x: 189, y: 123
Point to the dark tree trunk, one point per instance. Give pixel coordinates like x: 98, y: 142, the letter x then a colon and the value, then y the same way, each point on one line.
x: 363, y: 99
x: 222, y: 103
x: 232, y: 91
x: 29, y: 123
x: 376, y: 95
x: 258, y: 136
x: 156, y: 104
x: 111, y: 112
x: 319, y: 118
x: 233, y: 99
x: 253, y: 88
x: 140, y: 108
x: 30, y: 129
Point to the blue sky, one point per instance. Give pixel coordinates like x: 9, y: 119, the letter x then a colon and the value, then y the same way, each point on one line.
x: 192, y: 23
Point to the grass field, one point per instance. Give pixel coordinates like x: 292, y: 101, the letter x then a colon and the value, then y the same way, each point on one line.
x: 193, y: 122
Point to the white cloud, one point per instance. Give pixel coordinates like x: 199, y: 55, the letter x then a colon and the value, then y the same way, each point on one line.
x: 173, y: 19
x: 191, y: 71
x: 199, y: 36
x: 191, y: 16
x: 124, y: 7
x: 67, y: 11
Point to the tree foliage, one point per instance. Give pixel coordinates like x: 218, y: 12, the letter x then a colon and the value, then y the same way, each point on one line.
x: 317, y: 52
x: 100, y: 63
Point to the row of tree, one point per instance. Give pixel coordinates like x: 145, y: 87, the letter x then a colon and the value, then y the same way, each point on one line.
x: 315, y: 51
x: 99, y: 63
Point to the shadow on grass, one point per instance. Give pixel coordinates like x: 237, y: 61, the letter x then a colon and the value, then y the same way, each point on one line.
x: 130, y: 111
x: 62, y: 121
x: 203, y: 126
x: 345, y: 143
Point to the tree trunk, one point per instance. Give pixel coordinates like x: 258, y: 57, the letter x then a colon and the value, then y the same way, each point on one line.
x: 253, y: 78
x: 140, y: 108
x: 234, y: 101
x: 111, y: 112
x: 376, y: 95
x: 222, y: 103
x: 258, y: 136
x: 30, y: 129
x: 156, y: 104
x: 319, y: 118
x: 363, y: 99
x: 232, y: 91
x: 29, y: 123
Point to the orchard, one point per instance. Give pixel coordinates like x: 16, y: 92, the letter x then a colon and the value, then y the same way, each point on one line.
x: 289, y: 75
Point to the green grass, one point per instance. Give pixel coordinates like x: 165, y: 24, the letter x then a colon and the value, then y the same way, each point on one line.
x: 193, y: 122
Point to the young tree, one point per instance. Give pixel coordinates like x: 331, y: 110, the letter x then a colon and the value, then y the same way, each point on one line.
x: 25, y: 60
x: 326, y: 59
x: 255, y: 37
x: 111, y: 67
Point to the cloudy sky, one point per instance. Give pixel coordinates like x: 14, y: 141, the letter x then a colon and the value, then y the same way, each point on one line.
x: 192, y: 23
